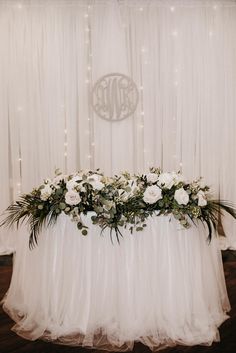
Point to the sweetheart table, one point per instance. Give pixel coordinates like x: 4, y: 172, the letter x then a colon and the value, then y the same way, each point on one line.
x: 162, y: 286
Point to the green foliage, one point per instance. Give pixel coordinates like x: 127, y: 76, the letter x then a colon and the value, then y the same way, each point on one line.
x: 117, y: 202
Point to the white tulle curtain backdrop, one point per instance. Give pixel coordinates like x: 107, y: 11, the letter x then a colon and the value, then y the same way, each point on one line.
x: 181, y: 54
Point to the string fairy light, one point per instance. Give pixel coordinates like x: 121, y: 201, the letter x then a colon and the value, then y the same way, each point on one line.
x: 65, y: 138
x: 89, y: 130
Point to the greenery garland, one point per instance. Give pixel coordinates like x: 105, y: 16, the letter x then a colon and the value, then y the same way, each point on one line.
x: 121, y: 201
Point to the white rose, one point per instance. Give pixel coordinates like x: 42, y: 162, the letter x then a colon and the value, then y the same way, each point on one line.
x: 152, y: 194
x: 202, y: 200
x: 166, y: 180
x: 46, y: 192
x: 72, y: 183
x: 97, y: 185
x: 94, y: 177
x: 152, y: 177
x: 181, y: 196
x: 95, y: 181
x: 58, y: 178
x: 72, y: 197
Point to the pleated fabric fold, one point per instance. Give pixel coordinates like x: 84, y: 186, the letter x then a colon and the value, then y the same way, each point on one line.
x: 162, y: 286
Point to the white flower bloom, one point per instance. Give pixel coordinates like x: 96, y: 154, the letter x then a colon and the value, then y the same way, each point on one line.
x: 58, y: 179
x: 152, y: 177
x: 202, y: 200
x: 181, y: 196
x: 178, y: 178
x: 94, y: 177
x: 152, y: 194
x: 166, y: 180
x: 95, y: 181
x: 46, y: 192
x: 72, y: 197
x: 97, y: 185
x: 72, y: 183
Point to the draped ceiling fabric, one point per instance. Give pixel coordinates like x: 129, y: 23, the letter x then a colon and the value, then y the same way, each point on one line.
x: 181, y: 54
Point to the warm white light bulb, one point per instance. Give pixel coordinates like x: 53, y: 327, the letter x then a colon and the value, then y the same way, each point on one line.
x: 172, y: 8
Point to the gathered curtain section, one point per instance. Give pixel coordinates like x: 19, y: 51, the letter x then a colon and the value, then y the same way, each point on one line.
x: 181, y: 55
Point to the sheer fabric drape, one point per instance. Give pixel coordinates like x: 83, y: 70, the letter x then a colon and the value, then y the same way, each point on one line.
x: 163, y: 286
x: 181, y: 54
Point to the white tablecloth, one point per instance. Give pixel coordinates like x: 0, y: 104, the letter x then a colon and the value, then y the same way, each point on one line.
x: 161, y: 286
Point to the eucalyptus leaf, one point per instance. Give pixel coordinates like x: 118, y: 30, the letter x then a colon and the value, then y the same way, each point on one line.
x: 62, y: 205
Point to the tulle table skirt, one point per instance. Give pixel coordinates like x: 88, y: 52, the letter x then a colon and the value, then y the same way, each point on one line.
x: 162, y: 286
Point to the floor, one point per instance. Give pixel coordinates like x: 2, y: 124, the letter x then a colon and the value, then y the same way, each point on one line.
x: 11, y: 343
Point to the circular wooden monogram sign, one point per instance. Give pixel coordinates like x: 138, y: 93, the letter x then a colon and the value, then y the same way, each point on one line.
x: 114, y: 97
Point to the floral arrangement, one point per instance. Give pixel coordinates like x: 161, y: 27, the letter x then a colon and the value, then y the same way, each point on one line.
x: 121, y: 201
